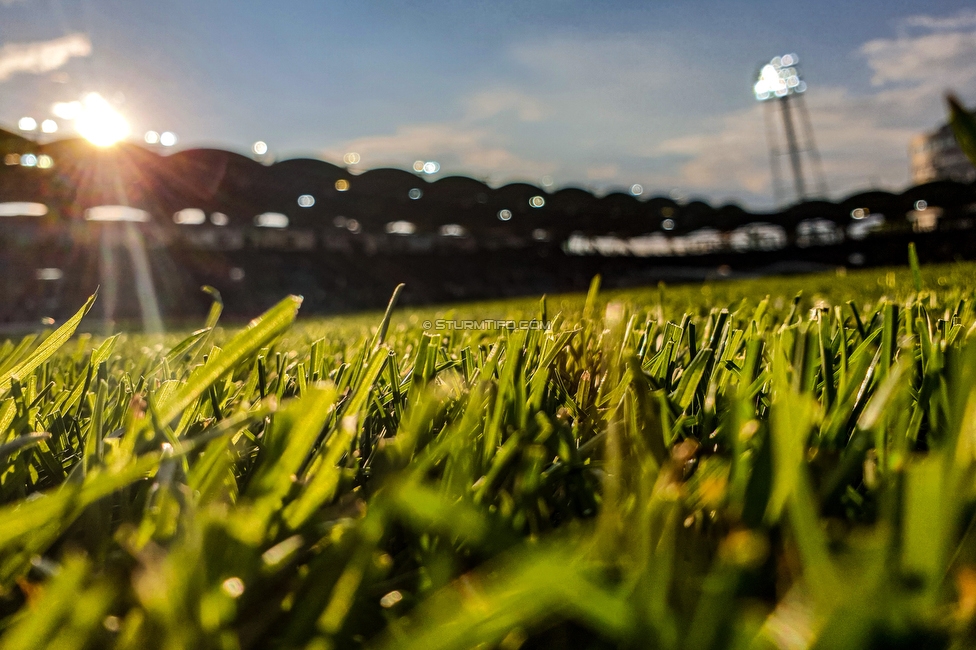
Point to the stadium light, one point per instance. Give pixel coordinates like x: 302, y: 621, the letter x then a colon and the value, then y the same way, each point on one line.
x: 779, y: 78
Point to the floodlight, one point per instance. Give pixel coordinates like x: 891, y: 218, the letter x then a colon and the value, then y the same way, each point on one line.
x: 779, y: 78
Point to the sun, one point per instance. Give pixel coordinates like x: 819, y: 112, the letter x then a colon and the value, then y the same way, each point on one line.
x: 99, y: 123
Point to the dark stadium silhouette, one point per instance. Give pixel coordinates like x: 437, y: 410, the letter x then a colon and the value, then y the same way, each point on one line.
x: 344, y: 240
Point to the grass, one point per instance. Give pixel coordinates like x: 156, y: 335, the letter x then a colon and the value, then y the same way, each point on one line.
x: 697, y: 467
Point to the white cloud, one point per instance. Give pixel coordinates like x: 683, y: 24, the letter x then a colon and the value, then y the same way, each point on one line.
x: 728, y: 158
x: 609, y: 95
x: 610, y: 111
x: 932, y: 59
x: 578, y: 104
x: 41, y: 56
x: 913, y: 72
x: 459, y: 147
x: 863, y: 137
x: 961, y: 20
x: 487, y: 104
x: 858, y: 151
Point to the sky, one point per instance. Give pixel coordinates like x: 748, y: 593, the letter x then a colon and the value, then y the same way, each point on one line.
x: 599, y: 95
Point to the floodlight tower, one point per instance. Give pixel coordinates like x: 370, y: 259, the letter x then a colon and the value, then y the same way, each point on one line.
x: 780, y: 79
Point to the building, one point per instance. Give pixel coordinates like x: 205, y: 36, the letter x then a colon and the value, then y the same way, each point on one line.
x: 936, y: 156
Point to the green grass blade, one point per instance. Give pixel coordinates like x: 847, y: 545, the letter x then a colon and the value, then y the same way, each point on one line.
x: 247, y: 342
x: 46, y: 349
x: 916, y: 269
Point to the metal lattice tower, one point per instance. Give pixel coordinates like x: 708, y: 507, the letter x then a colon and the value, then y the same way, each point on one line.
x: 780, y: 80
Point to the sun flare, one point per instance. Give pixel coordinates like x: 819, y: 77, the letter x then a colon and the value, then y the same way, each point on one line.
x: 99, y: 123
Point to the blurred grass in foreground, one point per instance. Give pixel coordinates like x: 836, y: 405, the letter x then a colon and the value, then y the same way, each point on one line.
x: 698, y: 467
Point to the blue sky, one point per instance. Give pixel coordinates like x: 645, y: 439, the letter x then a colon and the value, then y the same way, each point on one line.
x: 593, y: 94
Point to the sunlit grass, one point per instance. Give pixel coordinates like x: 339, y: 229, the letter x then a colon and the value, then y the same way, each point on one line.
x: 692, y: 467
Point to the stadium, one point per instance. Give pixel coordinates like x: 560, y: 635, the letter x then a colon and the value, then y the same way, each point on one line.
x: 150, y: 229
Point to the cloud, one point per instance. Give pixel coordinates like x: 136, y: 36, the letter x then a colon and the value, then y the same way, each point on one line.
x: 933, y: 59
x: 41, y: 56
x: 863, y: 137
x: 600, y: 93
x: 459, y: 146
x: 858, y: 151
x: 723, y: 160
x: 486, y: 104
x: 912, y: 72
x: 961, y: 20
x: 572, y: 108
x: 608, y: 111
